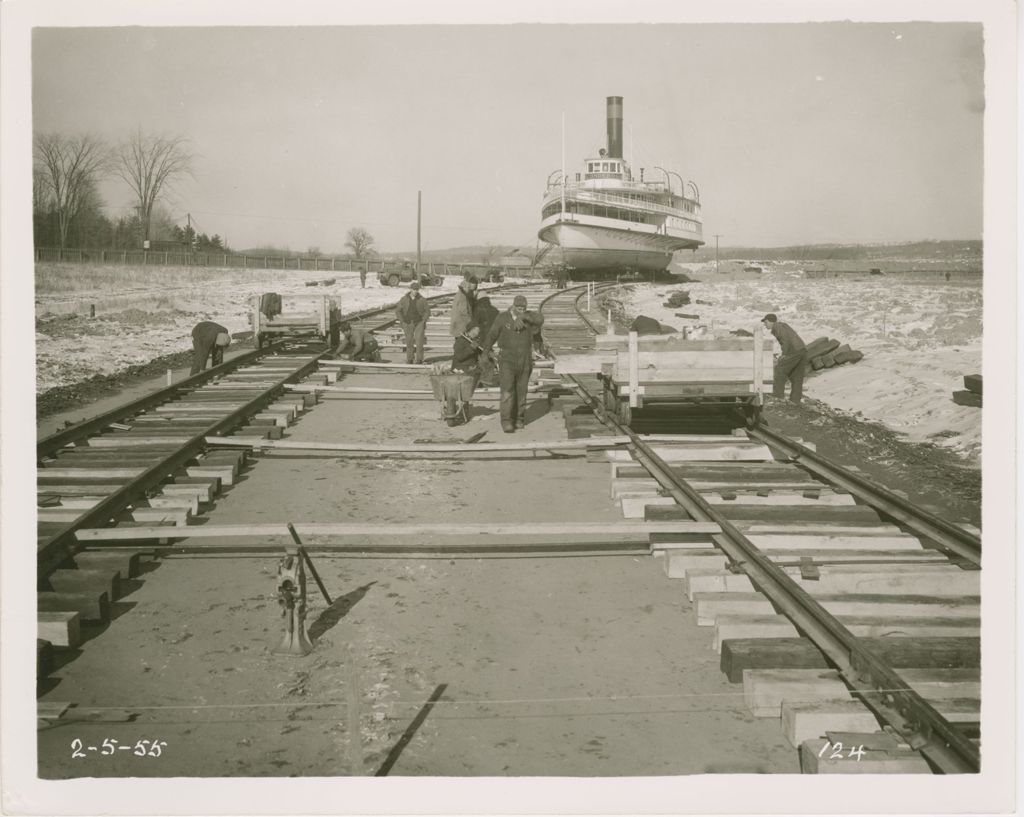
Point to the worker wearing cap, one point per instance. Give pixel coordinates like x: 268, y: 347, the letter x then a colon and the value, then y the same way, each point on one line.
x: 413, y: 311
x: 208, y: 339
x: 359, y: 344
x: 792, y: 360
x: 514, y: 332
x: 463, y: 305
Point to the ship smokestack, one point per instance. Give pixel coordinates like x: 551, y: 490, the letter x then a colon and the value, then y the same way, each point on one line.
x: 615, y: 127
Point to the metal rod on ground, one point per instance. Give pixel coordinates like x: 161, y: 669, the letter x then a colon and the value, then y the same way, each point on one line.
x: 309, y: 564
x: 170, y: 378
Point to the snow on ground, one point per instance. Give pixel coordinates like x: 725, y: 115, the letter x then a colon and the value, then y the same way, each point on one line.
x: 136, y: 323
x: 918, y: 341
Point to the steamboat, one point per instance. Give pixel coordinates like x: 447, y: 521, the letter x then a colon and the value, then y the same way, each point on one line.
x: 608, y: 223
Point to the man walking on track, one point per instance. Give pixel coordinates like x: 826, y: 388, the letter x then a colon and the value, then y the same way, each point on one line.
x: 514, y: 332
x: 790, y: 364
x: 208, y: 338
x: 413, y: 311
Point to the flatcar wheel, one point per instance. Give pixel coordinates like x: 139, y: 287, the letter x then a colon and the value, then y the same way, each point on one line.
x: 393, y: 280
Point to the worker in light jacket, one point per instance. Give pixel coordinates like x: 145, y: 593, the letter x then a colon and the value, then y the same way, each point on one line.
x: 209, y: 339
x: 413, y: 311
x: 462, y: 306
x: 792, y: 360
x: 514, y: 332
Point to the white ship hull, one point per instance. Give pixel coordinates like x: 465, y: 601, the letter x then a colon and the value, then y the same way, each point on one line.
x: 603, y: 249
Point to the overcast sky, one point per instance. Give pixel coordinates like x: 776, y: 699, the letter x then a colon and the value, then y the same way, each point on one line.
x: 794, y: 133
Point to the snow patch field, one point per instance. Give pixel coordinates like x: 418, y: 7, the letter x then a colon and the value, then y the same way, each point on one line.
x: 919, y: 340
x: 145, y: 313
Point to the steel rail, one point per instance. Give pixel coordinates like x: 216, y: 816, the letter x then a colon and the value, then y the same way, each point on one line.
x: 950, y: 536
x: 53, y: 443
x: 873, y: 681
x: 63, y: 544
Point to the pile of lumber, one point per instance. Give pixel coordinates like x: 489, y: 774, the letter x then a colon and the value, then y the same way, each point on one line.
x: 971, y: 394
x: 825, y: 353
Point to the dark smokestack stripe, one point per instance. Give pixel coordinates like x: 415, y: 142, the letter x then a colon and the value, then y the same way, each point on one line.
x: 615, y: 127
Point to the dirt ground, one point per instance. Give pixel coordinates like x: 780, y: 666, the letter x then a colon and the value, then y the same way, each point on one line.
x: 538, y: 666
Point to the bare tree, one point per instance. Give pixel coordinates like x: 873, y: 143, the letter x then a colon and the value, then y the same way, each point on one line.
x: 148, y: 164
x: 69, y: 167
x: 359, y: 241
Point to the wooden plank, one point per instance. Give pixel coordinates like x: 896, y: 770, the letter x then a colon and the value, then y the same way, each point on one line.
x: 632, y: 372
x: 750, y: 452
x: 60, y: 628
x: 863, y: 626
x: 812, y: 720
x: 739, y: 654
x: 808, y: 720
x: 91, y: 607
x: 678, y: 562
x: 178, y: 516
x: 708, y: 606
x: 817, y: 758
x: 686, y: 376
x: 451, y: 448
x: 226, y: 474
x: 848, y: 514
x: 927, y: 580
x: 100, y: 580
x: 313, y: 529
x: 96, y: 473
x: 764, y: 690
x: 126, y: 563
x: 676, y: 343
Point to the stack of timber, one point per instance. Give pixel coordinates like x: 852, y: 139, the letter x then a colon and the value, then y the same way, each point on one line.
x: 824, y: 353
x: 971, y: 393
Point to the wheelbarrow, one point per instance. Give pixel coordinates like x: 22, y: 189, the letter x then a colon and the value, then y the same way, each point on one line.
x: 453, y: 390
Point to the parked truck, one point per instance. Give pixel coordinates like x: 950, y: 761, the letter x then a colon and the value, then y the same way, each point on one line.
x: 391, y: 275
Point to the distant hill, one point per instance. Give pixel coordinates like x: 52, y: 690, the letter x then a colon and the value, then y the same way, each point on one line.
x: 945, y: 250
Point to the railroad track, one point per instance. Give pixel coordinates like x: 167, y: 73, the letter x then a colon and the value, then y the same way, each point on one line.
x: 822, y: 545
x: 798, y: 564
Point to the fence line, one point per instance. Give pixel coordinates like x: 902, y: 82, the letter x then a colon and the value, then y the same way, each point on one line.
x: 161, y: 258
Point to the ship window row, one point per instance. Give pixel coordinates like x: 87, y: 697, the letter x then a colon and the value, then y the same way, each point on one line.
x: 604, y: 167
x: 579, y: 208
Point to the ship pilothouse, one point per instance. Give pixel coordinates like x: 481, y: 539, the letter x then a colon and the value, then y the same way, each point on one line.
x: 605, y: 220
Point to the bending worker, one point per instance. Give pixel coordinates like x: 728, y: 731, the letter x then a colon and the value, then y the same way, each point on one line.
x: 790, y: 364
x: 208, y: 338
x: 514, y: 332
x: 358, y: 344
x: 413, y: 311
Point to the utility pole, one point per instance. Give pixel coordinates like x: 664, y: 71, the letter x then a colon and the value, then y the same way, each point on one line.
x: 717, y: 236
x: 419, y: 210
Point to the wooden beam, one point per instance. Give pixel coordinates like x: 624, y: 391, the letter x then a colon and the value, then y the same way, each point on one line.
x: 739, y: 654
x: 765, y: 690
x: 448, y: 448
x: 315, y: 529
x: 60, y: 628
x: 819, y: 756
x: 708, y: 606
x: 863, y: 626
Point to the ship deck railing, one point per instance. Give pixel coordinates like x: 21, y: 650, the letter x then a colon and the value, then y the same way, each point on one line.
x: 582, y: 194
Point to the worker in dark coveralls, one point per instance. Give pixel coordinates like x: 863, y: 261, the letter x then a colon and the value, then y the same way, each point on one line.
x: 358, y: 344
x: 413, y: 311
x: 514, y: 332
x: 208, y: 338
x: 792, y: 360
